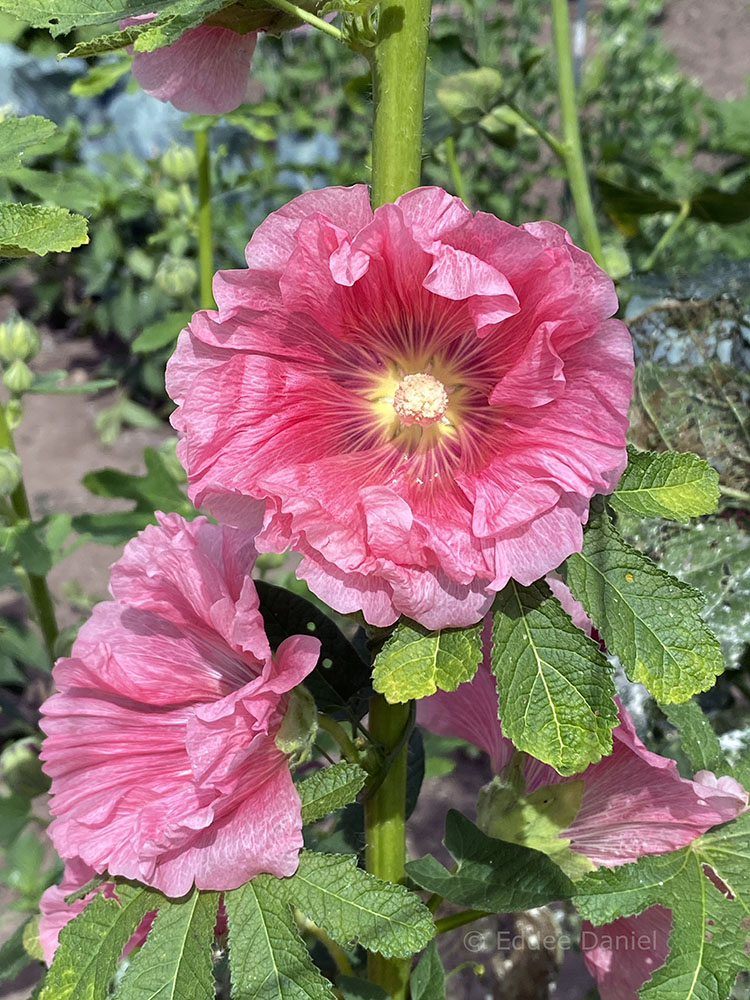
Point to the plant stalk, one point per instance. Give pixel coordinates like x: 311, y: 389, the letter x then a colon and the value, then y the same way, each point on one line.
x: 312, y: 19
x: 573, y: 149
x: 39, y: 593
x: 205, y: 236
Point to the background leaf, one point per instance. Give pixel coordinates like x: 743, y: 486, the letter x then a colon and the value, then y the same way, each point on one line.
x: 39, y: 229
x: 676, y: 485
x: 428, y: 978
x: 18, y: 133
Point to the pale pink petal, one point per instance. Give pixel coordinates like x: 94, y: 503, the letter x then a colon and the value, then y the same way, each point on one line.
x: 624, y: 954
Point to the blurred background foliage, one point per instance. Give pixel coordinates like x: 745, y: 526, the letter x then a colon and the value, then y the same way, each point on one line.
x: 670, y: 169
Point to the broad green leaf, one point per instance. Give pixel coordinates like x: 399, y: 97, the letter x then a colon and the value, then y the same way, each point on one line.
x: 359, y: 989
x: 491, y: 874
x: 39, y: 229
x: 710, y: 939
x: 176, y: 962
x: 697, y: 737
x: 16, y: 134
x: 675, y: 485
x: 60, y: 17
x: 161, y: 334
x: 428, y: 978
x: 415, y: 662
x: 341, y: 680
x: 646, y: 617
x: 267, y: 958
x: 352, y: 905
x: 468, y: 96
x: 329, y: 789
x: 91, y: 944
x: 555, y: 688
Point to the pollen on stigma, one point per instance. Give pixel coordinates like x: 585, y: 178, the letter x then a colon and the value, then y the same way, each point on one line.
x: 420, y: 399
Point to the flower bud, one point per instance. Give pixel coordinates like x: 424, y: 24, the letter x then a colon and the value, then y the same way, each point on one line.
x: 167, y: 202
x: 18, y: 377
x: 14, y: 412
x: 299, y: 726
x: 19, y: 340
x: 176, y: 276
x: 179, y: 162
x: 21, y: 769
x: 10, y: 471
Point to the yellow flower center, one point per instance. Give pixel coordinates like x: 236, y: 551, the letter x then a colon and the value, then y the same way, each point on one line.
x: 420, y: 399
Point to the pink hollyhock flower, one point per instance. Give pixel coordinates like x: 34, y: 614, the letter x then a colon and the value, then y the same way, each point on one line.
x: 624, y: 954
x: 161, y: 743
x: 420, y: 400
x: 56, y: 913
x: 205, y: 71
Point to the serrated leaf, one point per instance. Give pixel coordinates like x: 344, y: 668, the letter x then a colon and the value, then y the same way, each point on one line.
x: 491, y: 874
x: 91, y: 944
x: 698, y: 740
x: 415, y: 662
x: 428, y: 978
x: 176, y: 962
x: 710, y: 939
x: 39, y: 229
x: 341, y: 679
x: 60, y: 17
x: 352, y: 905
x: 648, y: 618
x: 555, y: 687
x: 329, y: 789
x: 267, y: 958
x: 158, y: 335
x: 16, y: 134
x: 675, y: 485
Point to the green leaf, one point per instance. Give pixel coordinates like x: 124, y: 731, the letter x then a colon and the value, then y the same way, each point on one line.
x: 645, y: 616
x: 341, y: 680
x: 710, y: 938
x: 697, y: 737
x: 555, y: 688
x: 101, y: 77
x: 415, y: 662
x: 161, y: 334
x: 39, y: 229
x: 491, y: 874
x: 359, y: 989
x: 60, y: 17
x: 176, y: 962
x: 13, y: 955
x: 49, y: 384
x: 91, y: 944
x: 329, y: 789
x: 352, y: 905
x: 267, y: 958
x: 468, y: 96
x: 18, y: 133
x: 675, y: 485
x: 428, y: 978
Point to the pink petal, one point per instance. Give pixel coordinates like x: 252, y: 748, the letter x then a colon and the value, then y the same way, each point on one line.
x: 624, y: 954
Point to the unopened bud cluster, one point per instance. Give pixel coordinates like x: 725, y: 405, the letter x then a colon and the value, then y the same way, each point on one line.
x: 19, y: 344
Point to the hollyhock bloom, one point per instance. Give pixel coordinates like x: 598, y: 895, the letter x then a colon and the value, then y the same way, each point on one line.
x: 204, y: 72
x: 161, y: 743
x: 624, y: 954
x: 56, y: 913
x: 420, y: 400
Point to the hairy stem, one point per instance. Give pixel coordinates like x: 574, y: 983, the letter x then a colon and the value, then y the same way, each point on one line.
x: 39, y: 594
x: 205, y: 236
x: 573, y: 150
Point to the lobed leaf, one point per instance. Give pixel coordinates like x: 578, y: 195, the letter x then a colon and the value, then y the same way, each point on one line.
x: 267, y: 958
x: 329, y: 789
x: 648, y: 618
x: 675, y: 485
x: 491, y: 874
x: 555, y: 687
x: 415, y: 662
x: 352, y: 905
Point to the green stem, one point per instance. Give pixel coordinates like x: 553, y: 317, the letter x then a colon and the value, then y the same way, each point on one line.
x: 385, y: 831
x: 454, y: 920
x: 399, y: 60
x: 305, y: 15
x: 557, y: 147
x: 667, y: 235
x: 205, y: 237
x: 455, y: 168
x: 574, y: 162
x: 39, y: 594
x: 337, y: 731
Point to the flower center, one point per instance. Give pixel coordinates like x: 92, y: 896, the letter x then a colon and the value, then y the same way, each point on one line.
x: 420, y: 399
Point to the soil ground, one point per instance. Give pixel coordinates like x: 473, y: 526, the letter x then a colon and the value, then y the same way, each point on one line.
x: 59, y: 444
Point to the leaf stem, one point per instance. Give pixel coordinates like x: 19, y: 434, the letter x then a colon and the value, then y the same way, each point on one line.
x: 454, y: 920
x: 573, y: 150
x: 305, y: 15
x: 39, y: 593
x: 455, y: 168
x: 667, y: 235
x: 205, y: 236
x: 557, y: 147
x: 337, y: 731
